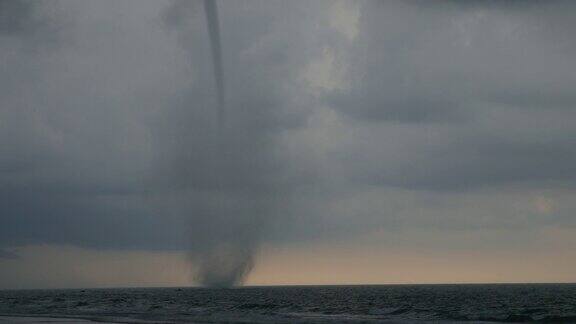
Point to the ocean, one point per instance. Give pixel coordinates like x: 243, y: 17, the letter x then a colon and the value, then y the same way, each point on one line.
x: 553, y: 303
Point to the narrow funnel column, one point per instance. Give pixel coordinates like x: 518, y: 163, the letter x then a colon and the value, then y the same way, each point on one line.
x: 211, y: 10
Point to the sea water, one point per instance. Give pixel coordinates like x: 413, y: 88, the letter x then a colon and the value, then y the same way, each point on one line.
x: 302, y: 304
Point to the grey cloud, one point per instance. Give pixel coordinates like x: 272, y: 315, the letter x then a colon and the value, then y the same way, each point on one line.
x: 413, y: 62
x: 492, y: 90
x: 16, y: 16
x: 7, y: 255
x: 107, y: 138
x: 73, y: 133
x: 495, y: 149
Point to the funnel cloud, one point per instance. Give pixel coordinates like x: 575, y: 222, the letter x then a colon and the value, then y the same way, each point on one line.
x: 211, y: 10
x: 230, y: 166
x: 220, y: 263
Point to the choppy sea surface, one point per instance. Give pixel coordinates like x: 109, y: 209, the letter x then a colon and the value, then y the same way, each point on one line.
x: 554, y: 303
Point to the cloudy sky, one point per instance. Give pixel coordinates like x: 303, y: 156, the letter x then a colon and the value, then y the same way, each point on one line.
x: 397, y: 141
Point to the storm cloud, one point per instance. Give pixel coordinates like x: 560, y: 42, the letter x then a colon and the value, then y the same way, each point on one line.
x: 16, y: 17
x: 491, y: 91
x: 343, y: 119
x: 101, y: 142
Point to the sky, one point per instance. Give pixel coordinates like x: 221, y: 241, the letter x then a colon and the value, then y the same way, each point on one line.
x: 401, y: 141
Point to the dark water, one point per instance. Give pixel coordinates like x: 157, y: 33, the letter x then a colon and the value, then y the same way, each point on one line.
x: 312, y: 304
